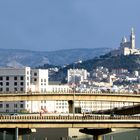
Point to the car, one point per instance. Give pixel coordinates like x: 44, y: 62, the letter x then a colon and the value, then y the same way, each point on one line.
x: 14, y: 114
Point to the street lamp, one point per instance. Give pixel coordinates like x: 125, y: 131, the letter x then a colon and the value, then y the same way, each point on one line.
x: 74, y: 90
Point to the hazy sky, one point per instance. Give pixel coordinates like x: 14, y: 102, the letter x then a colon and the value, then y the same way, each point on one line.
x: 48, y: 25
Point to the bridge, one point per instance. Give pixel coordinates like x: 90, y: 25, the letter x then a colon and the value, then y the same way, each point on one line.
x: 116, y: 97
x: 59, y: 121
x: 91, y: 121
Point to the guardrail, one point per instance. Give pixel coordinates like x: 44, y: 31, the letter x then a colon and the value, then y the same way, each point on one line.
x: 71, y: 92
x: 60, y: 117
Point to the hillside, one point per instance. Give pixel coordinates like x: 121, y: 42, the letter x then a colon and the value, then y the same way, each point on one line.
x: 131, y: 62
x: 19, y: 58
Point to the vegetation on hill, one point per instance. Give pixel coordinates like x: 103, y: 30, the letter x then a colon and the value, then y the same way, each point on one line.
x: 131, y: 62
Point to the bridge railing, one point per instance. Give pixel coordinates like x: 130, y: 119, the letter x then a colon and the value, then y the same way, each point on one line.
x: 60, y: 117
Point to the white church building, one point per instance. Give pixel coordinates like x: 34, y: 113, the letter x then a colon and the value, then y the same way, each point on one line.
x: 127, y: 47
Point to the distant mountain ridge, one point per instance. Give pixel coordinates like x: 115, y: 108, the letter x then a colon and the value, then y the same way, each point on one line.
x: 20, y: 58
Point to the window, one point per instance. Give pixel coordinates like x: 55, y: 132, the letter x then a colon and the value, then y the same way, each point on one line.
x: 7, y: 83
x: 1, y: 83
x: 35, y: 74
x: 21, y: 78
x: 1, y: 105
x: 7, y: 78
x: 15, y: 83
x: 7, y: 105
x: 21, y: 83
x: 35, y: 79
x: 21, y: 105
x: 1, y: 78
x: 15, y: 78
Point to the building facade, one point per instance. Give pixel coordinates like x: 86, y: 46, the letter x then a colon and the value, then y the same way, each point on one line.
x: 76, y: 75
x: 26, y: 81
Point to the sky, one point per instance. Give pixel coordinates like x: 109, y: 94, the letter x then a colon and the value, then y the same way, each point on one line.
x: 49, y: 25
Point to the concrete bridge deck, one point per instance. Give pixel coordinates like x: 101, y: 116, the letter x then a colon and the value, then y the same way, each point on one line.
x: 69, y: 122
x: 116, y: 97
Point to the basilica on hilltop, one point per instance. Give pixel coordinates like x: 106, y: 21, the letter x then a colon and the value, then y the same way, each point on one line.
x: 127, y: 47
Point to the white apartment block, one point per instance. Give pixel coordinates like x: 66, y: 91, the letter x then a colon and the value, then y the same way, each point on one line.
x: 39, y: 80
x: 22, y: 80
x: 76, y: 75
x: 26, y: 80
x: 12, y: 80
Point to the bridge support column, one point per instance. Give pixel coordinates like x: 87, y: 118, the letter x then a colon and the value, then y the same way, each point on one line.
x: 97, y: 137
x: 97, y: 133
x: 71, y: 106
x: 17, y: 137
x: 4, y: 135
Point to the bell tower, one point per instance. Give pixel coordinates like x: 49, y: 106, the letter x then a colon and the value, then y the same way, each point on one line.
x: 132, y: 39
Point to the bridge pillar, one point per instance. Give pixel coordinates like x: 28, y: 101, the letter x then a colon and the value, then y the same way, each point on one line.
x: 16, y: 133
x: 4, y: 135
x: 17, y: 136
x: 97, y: 133
x: 71, y: 106
x: 97, y: 137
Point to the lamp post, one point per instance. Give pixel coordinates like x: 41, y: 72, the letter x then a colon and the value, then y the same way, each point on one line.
x: 74, y: 91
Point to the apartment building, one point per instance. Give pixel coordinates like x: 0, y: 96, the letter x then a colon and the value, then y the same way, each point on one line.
x: 22, y: 80
x: 26, y: 80
x: 12, y: 80
x: 76, y: 75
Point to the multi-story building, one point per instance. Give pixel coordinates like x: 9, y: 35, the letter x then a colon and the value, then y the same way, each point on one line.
x: 39, y: 80
x: 12, y: 80
x: 119, y: 71
x: 22, y: 80
x: 76, y: 75
x: 26, y: 80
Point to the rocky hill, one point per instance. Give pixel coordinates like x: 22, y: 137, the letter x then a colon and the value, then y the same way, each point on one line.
x: 19, y: 58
